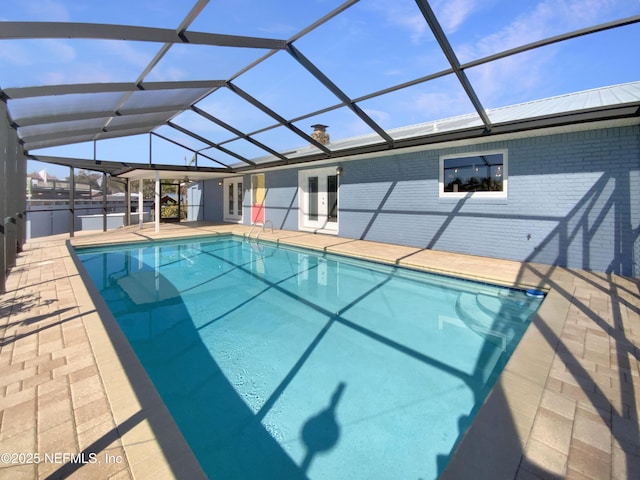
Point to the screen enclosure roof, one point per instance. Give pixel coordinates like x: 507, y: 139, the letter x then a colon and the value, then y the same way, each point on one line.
x: 233, y: 86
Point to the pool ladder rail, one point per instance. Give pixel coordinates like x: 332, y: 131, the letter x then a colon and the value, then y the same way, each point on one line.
x: 261, y: 225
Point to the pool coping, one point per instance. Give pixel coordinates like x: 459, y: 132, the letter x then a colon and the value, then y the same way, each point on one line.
x: 508, y: 438
x: 526, y: 370
x: 521, y: 373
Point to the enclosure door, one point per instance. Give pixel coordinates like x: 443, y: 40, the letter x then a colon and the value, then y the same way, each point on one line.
x: 232, y: 199
x: 170, y: 202
x: 318, y: 200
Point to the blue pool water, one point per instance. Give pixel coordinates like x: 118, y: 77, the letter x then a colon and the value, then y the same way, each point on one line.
x: 282, y: 363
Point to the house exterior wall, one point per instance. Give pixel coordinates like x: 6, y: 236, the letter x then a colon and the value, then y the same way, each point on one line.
x: 573, y: 200
x: 281, y: 199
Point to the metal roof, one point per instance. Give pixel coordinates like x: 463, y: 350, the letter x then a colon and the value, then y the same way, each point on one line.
x: 617, y: 101
x: 53, y: 115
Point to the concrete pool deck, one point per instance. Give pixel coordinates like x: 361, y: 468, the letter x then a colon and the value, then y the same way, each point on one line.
x: 76, y: 403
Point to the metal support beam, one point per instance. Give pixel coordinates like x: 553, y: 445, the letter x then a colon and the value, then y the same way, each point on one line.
x: 555, y: 39
x: 237, y: 132
x: 210, y: 143
x: 179, y: 32
x: 22, y: 198
x: 322, y: 78
x: 64, y: 135
x: 446, y: 47
x: 262, y: 107
x: 169, y: 110
x: 100, y: 31
x: 337, y: 11
x: 129, y: 87
x: 11, y: 199
x: 190, y: 149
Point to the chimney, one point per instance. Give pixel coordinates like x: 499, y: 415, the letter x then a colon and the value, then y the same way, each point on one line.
x: 320, y: 133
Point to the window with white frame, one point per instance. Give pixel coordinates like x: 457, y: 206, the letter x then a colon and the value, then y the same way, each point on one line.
x: 482, y: 174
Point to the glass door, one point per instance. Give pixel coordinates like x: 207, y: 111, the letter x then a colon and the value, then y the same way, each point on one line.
x: 232, y: 199
x: 318, y: 200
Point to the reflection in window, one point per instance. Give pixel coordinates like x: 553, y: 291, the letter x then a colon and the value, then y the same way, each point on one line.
x: 474, y: 173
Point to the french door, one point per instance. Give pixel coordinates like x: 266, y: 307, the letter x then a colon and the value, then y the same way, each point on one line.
x: 318, y: 200
x: 232, y: 199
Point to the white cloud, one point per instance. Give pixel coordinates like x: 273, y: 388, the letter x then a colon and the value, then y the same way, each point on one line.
x: 39, y: 62
x: 128, y: 53
x: 545, y: 19
x: 59, y: 51
x: 198, y: 124
x: 549, y: 17
x: 503, y: 82
x: 453, y: 13
x: 402, y: 14
x: 450, y: 13
x: 167, y: 74
x: 36, y: 52
x: 441, y: 104
x: 15, y: 54
x: 80, y: 73
x: 55, y: 78
x: 381, y: 117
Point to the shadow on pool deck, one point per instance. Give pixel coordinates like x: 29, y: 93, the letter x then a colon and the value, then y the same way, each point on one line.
x: 576, y: 416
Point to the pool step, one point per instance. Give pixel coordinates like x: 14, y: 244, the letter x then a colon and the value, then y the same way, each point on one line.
x: 493, y: 318
x: 504, y: 307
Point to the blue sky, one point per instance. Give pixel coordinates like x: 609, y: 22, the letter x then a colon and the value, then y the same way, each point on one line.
x: 371, y: 46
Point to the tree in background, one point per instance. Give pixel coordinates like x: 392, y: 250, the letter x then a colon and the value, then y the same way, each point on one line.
x: 148, y: 188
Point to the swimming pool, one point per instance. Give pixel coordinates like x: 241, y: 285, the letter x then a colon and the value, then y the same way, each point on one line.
x: 285, y: 363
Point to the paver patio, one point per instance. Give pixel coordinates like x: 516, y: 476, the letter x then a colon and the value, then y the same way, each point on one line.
x: 76, y: 403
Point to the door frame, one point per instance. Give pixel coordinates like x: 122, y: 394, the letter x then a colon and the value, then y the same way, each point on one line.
x: 322, y: 224
x: 238, y: 197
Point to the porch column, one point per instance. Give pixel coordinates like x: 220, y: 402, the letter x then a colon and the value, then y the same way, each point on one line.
x: 140, y: 203
x: 157, y: 203
x: 104, y: 201
x: 72, y: 202
x: 127, y: 206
